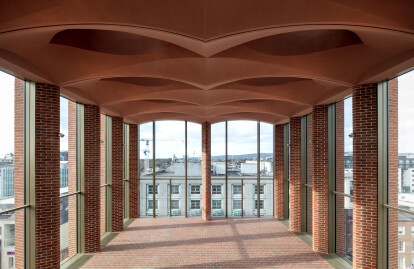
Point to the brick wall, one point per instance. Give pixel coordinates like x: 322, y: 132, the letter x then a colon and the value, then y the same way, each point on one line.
x: 320, y: 179
x: 71, y: 136
x: 295, y: 184
x: 279, y: 172
x: 102, y: 190
x: 365, y: 175
x: 19, y: 170
x: 92, y: 178
x: 340, y: 178
x: 393, y: 173
x: 117, y: 174
x: 309, y: 175
x: 133, y: 171
x: 206, y: 170
x: 47, y: 159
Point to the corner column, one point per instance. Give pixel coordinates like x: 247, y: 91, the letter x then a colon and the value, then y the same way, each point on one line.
x: 47, y: 181
x: 206, y: 171
x: 117, y: 174
x: 295, y: 184
x: 92, y: 178
x: 133, y: 171
x: 320, y: 179
x: 279, y: 172
x: 365, y: 177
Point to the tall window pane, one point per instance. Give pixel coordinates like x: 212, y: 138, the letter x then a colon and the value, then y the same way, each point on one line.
x: 194, y: 168
x: 401, y: 171
x: 242, y: 164
x: 169, y: 163
x: 68, y: 179
x: 11, y: 169
x: 344, y: 160
x: 309, y: 174
x: 145, y: 168
x: 218, y: 169
x: 266, y: 168
x: 103, y: 174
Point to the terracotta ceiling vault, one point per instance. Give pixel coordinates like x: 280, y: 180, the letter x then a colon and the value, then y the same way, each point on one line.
x: 206, y: 60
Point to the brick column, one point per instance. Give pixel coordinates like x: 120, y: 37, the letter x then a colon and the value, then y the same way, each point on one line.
x: 295, y: 175
x: 206, y: 171
x: 19, y: 170
x: 92, y: 178
x: 117, y: 174
x: 47, y: 176
x: 279, y: 172
x: 133, y: 171
x: 320, y: 179
x: 393, y: 173
x: 365, y: 177
x: 102, y: 190
x: 72, y: 178
x: 340, y: 179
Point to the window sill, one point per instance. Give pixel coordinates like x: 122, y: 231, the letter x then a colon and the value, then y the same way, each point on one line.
x: 76, y: 261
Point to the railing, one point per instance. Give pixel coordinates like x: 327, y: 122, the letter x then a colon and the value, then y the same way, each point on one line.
x: 13, y: 209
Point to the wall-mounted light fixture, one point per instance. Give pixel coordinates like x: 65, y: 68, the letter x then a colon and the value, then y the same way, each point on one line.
x: 61, y: 135
x: 351, y: 135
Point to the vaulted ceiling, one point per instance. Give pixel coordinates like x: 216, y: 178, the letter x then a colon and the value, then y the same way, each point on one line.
x: 206, y: 60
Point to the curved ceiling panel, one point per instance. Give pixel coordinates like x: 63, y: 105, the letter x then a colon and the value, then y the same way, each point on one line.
x: 304, y: 42
x: 105, y: 41
x: 140, y: 81
x: 208, y: 60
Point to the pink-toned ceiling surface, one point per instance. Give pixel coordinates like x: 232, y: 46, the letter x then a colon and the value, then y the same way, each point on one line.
x: 206, y: 60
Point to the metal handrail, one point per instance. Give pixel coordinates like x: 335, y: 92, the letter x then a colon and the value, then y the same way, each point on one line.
x: 69, y: 194
x: 308, y: 185
x: 104, y: 185
x: 398, y: 209
x: 343, y: 194
x: 13, y: 209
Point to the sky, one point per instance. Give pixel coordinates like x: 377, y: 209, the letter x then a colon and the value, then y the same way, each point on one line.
x: 242, y: 134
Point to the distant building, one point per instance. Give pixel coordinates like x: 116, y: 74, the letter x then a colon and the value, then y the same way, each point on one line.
x: 6, y: 182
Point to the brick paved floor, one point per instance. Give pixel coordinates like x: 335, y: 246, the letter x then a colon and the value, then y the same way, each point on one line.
x: 192, y: 243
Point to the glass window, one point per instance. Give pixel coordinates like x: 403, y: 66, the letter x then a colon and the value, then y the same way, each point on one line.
x: 151, y: 204
x: 344, y: 178
x: 193, y: 150
x: 11, y: 262
x: 216, y: 189
x: 103, y: 180
x: 150, y: 189
x: 175, y: 204
x: 175, y: 189
x: 237, y: 204
x: 401, y: 246
x: 401, y: 263
x: 195, y: 204
x: 195, y: 189
x: 9, y: 235
x: 401, y: 230
x: 237, y: 189
x: 261, y: 204
x: 261, y: 189
x: 216, y: 204
x: 68, y: 151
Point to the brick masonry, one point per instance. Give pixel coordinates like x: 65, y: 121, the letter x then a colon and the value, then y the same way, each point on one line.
x: 279, y: 172
x: 295, y: 184
x: 133, y: 171
x: 393, y: 173
x: 365, y: 176
x: 117, y: 174
x: 206, y: 170
x: 340, y: 179
x: 19, y: 170
x: 71, y: 136
x: 92, y: 178
x: 320, y: 178
x: 47, y: 177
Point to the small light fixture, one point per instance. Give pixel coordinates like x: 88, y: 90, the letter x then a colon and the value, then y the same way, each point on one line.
x: 101, y: 141
x: 351, y: 135
x: 61, y: 135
